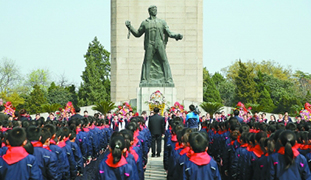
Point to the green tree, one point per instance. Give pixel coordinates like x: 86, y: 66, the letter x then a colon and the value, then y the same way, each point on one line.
x: 308, y: 97
x: 58, y: 95
x: 50, y: 107
x: 9, y: 75
x: 96, y: 76
x: 38, y: 77
x: 245, y: 85
x: 210, y: 92
x: 73, y: 94
x: 34, y: 101
x: 211, y: 107
x: 264, y: 99
x: 104, y: 106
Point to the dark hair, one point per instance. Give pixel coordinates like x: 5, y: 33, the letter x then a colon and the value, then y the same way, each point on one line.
x: 33, y: 133
x: 16, y: 136
x: 260, y: 138
x: 25, y: 124
x: 77, y: 109
x: 131, y: 126
x: 2, y: 108
x: 236, y: 112
x: 198, y: 142
x: 45, y: 134
x: 128, y: 138
x: 291, y: 126
x: 156, y: 110
x: 29, y: 147
x: 288, y: 139
x: 65, y: 132
x: 117, y: 144
x: 51, y: 128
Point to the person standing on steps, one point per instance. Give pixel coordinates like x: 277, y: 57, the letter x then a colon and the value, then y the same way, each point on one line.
x: 156, y: 126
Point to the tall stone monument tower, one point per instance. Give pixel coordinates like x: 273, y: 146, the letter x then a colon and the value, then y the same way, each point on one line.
x: 185, y: 57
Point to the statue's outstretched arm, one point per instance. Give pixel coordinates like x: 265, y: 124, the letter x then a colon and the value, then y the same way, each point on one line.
x: 136, y: 33
x: 171, y: 34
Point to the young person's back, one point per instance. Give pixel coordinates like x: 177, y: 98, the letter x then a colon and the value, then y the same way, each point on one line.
x: 16, y: 162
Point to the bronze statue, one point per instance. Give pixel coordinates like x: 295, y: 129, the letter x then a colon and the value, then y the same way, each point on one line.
x: 155, y: 69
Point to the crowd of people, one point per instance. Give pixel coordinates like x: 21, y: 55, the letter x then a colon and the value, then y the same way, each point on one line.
x: 114, y: 146
x: 82, y: 147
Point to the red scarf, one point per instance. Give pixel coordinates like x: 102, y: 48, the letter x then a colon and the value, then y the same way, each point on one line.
x: 46, y: 147
x: 185, y: 150
x: 78, y: 130
x: 62, y: 144
x: 133, y: 152
x: 295, y: 151
x: 14, y: 154
x: 109, y: 161
x: 258, y: 151
x: 86, y: 129
x: 178, y: 146
x: 174, y: 138
x: 304, y: 147
x: 200, y: 158
x: 36, y: 144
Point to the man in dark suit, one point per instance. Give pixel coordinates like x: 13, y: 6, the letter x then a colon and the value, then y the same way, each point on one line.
x: 156, y: 127
x: 77, y: 115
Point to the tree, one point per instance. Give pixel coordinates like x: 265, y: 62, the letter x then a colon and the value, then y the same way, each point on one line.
x: 211, y: 107
x: 12, y: 97
x: 58, y: 95
x: 74, y: 96
x: 50, y: 107
x: 9, y: 75
x: 96, y: 76
x: 264, y: 99
x: 104, y: 106
x: 36, y: 98
x: 38, y: 77
x: 245, y: 85
x: 266, y: 67
x: 210, y: 92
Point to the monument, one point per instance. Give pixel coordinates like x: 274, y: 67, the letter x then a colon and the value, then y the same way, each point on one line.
x: 143, y: 66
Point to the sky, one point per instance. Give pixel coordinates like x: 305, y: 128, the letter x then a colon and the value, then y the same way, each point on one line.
x: 54, y: 35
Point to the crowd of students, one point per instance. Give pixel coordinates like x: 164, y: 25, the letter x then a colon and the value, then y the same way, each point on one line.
x: 110, y: 147
x: 51, y: 149
x: 237, y: 150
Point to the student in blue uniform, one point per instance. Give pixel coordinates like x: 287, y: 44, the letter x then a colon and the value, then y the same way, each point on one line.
x: 62, y: 159
x: 192, y: 118
x: 200, y: 166
x: 115, y: 167
x: 287, y: 163
x: 47, y: 160
x: 16, y: 162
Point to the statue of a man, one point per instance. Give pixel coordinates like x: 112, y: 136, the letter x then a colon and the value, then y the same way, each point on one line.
x: 156, y: 37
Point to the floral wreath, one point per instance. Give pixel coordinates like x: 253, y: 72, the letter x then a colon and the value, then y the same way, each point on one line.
x: 156, y: 98
x: 177, y: 106
x: 306, y: 112
x: 125, y: 108
x: 9, y: 109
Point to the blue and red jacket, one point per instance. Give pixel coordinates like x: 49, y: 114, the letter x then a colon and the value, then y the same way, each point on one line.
x: 18, y: 164
x: 192, y: 120
x: 201, y: 167
x: 70, y: 156
x: 121, y: 170
x: 47, y: 161
x: 298, y: 170
x: 77, y: 154
x: 62, y: 159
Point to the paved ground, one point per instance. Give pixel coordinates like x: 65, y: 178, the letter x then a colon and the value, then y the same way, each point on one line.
x: 155, y: 170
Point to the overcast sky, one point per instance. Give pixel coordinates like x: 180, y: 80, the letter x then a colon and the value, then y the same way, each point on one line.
x: 54, y: 35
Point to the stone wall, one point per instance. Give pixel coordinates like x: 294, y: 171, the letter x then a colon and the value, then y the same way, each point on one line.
x: 185, y: 56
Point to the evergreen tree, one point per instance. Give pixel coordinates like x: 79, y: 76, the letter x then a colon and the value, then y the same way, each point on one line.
x: 264, y: 100
x: 73, y: 94
x: 96, y: 76
x: 34, y: 101
x: 308, y: 97
x: 210, y: 92
x: 245, y: 85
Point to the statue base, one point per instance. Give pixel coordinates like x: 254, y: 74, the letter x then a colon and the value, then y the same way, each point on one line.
x: 143, y: 96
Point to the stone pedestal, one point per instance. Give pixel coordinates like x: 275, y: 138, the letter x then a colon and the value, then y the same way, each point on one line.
x: 143, y: 95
